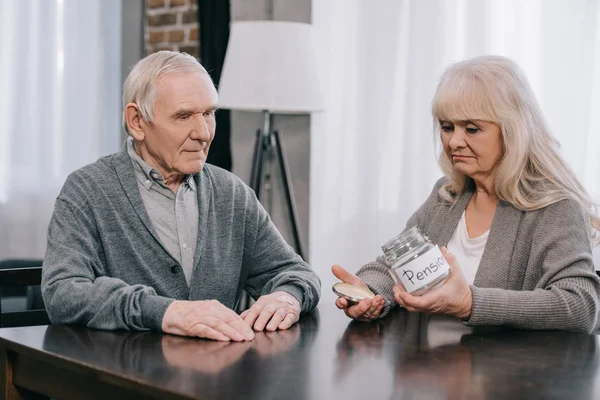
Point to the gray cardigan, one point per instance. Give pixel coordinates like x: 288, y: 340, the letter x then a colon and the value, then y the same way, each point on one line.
x: 536, y: 271
x: 106, y: 268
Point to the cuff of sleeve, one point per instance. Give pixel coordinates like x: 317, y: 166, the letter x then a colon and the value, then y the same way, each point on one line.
x: 294, y: 291
x: 379, y: 281
x: 388, y: 299
x: 489, y: 306
x: 387, y: 308
x: 153, y: 309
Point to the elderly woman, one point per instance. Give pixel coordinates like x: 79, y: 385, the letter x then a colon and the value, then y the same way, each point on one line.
x: 518, y: 225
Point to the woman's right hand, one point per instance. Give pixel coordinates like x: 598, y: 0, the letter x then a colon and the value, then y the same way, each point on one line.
x: 366, y: 309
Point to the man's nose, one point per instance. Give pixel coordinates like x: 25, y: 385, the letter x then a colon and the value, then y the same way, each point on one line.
x: 201, y: 130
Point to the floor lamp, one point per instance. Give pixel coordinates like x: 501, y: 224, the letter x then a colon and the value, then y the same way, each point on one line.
x: 270, y: 67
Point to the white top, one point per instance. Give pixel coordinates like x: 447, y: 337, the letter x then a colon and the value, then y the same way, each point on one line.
x: 467, y: 251
x: 446, y: 330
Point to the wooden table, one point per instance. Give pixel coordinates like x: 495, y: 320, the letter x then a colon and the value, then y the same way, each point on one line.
x: 325, y: 356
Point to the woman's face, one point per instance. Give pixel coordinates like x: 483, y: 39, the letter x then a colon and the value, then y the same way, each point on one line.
x: 474, y: 147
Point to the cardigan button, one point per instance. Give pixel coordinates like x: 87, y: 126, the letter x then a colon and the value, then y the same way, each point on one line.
x: 175, y: 269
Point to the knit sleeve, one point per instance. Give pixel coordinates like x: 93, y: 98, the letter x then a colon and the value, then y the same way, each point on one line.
x: 566, y: 296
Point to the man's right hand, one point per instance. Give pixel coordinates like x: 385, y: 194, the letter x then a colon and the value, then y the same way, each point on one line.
x: 366, y: 309
x: 206, y: 319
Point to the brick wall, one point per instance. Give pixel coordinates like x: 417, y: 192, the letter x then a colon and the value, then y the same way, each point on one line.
x: 171, y: 25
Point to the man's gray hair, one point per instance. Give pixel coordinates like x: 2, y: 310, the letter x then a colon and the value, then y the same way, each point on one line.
x: 140, y: 85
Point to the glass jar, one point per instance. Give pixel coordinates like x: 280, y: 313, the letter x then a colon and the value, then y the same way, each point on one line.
x: 415, y: 262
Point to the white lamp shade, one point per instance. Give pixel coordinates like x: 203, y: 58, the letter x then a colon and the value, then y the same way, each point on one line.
x: 270, y: 65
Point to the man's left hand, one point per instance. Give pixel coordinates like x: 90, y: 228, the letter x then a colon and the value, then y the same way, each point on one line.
x: 278, y: 310
x: 453, y: 298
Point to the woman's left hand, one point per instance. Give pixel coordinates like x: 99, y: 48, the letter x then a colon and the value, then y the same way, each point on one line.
x: 454, y: 297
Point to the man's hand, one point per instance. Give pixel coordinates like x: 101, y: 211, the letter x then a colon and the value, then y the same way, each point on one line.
x: 365, y: 310
x: 453, y: 298
x: 206, y: 319
x: 278, y: 310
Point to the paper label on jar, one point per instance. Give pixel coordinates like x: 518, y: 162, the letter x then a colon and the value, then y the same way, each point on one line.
x: 422, y: 270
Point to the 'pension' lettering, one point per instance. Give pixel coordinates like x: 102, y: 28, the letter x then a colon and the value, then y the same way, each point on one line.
x: 423, y: 270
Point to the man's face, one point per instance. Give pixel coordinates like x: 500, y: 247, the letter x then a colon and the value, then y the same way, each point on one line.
x: 179, y: 137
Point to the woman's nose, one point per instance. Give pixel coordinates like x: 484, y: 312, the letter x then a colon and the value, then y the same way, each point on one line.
x: 457, y: 140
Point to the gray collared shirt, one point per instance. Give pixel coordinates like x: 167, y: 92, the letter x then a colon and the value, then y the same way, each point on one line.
x: 173, y: 215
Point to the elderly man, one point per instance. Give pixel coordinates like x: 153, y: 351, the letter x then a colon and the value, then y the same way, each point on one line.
x: 152, y: 238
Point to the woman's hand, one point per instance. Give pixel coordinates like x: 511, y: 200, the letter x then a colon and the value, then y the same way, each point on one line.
x: 366, y: 309
x: 454, y: 297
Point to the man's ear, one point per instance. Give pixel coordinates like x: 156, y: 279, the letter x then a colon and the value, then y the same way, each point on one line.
x: 133, y: 119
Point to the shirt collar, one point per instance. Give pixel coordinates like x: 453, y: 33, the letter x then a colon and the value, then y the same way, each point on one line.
x: 148, y: 175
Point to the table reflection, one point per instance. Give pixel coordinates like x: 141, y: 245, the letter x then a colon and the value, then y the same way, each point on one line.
x: 273, y: 362
x: 204, y: 356
x: 430, y: 358
x: 212, y: 356
x: 404, y: 356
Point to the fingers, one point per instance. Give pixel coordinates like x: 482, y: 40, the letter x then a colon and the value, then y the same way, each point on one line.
x: 379, y: 309
x: 365, y: 310
x: 456, y: 274
x: 375, y: 304
x: 414, y: 303
x: 228, y: 330
x: 276, y: 319
x: 227, y: 325
x: 264, y: 317
x: 358, y: 310
x: 288, y: 321
x: 346, y: 276
x: 272, y: 311
x: 249, y: 316
x: 226, y: 321
x: 240, y: 326
x: 376, y: 307
x: 342, y: 303
x: 450, y: 258
x: 447, y: 255
x: 453, y: 297
x: 208, y: 319
x: 402, y: 297
x: 205, y: 331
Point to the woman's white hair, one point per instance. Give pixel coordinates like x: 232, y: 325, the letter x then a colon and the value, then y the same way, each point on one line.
x: 140, y: 85
x: 532, y: 174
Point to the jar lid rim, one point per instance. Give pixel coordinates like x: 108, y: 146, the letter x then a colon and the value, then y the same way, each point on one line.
x: 403, y: 238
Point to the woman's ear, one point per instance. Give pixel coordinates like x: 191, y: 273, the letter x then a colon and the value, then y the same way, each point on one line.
x: 133, y: 119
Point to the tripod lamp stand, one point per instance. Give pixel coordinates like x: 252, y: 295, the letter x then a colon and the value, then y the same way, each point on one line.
x: 270, y: 67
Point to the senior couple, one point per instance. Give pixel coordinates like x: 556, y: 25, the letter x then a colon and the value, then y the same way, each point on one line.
x: 152, y: 238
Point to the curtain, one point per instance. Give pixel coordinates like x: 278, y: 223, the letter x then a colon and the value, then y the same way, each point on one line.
x: 60, y: 77
x: 373, y: 157
x: 214, y: 17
